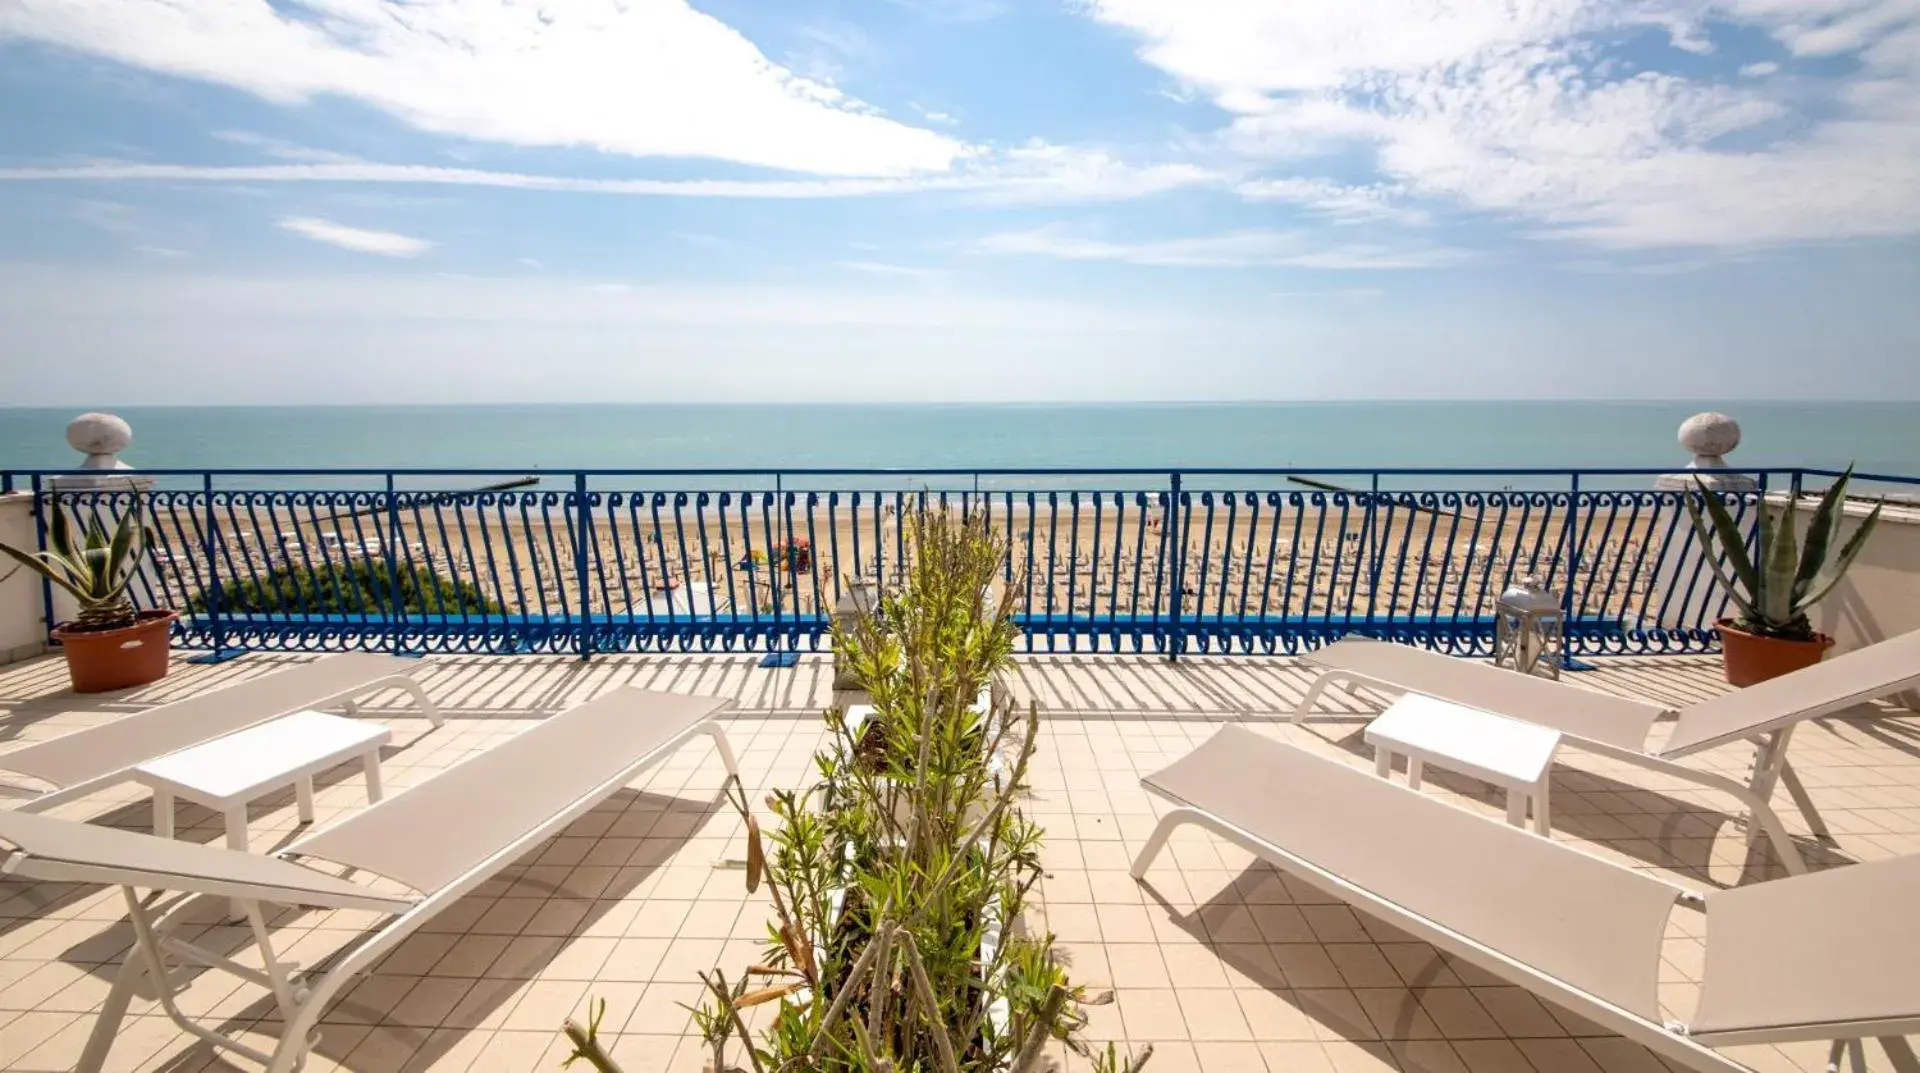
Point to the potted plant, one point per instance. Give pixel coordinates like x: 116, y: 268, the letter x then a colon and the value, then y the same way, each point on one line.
x: 109, y: 645
x: 898, y: 881
x: 1777, y: 585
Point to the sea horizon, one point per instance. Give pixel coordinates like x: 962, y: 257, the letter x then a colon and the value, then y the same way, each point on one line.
x: 1302, y: 435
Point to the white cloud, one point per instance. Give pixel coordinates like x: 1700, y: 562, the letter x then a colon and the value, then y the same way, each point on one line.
x: 1034, y: 173
x: 112, y: 217
x: 831, y: 48
x: 654, y: 78
x: 1253, y: 247
x: 1351, y: 294
x: 161, y: 251
x: 1336, y: 201
x: 887, y: 268
x: 1040, y: 173
x: 1760, y: 70
x: 280, y: 149
x: 385, y: 243
x: 1515, y: 109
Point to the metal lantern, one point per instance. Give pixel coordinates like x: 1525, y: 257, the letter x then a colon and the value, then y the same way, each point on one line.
x: 857, y: 602
x: 1528, y: 630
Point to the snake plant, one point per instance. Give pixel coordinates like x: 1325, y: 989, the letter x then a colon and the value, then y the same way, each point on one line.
x: 94, y: 569
x: 1776, y: 586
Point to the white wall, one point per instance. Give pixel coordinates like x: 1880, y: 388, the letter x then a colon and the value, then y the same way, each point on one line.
x: 1880, y: 597
x: 23, y: 628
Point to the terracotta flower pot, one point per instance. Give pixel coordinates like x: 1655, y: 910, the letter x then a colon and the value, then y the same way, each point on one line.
x: 101, y: 660
x: 1751, y: 659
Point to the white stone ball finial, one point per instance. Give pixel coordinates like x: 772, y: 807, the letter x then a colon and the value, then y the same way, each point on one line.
x: 1709, y: 438
x: 101, y: 437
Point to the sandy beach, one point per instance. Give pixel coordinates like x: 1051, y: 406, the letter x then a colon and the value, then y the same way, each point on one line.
x: 1241, y: 556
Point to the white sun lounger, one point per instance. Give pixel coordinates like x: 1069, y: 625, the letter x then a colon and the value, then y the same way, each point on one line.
x: 1618, y: 727
x: 84, y: 761
x: 441, y: 839
x: 1825, y: 956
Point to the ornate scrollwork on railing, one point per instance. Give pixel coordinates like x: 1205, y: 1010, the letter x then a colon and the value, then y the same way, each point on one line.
x: 1255, y: 568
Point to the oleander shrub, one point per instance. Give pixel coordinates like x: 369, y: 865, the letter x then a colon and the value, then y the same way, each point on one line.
x: 362, y: 587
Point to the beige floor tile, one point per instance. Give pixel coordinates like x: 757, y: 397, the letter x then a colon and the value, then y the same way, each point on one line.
x: 1151, y: 1014
x: 662, y: 1010
x: 468, y: 955
x: 448, y: 1050
x: 1492, y: 1056
x: 545, y: 1004
x: 579, y: 959
x: 1194, y: 965
x: 513, y: 1052
x: 1396, y: 1014
x: 627, y: 904
x: 1218, y: 1057
x: 1136, y: 965
x: 1213, y: 1014
x: 1274, y: 1015
x: 1427, y: 1056
x: 1293, y: 1056
x: 430, y: 1001
x: 1352, y: 1056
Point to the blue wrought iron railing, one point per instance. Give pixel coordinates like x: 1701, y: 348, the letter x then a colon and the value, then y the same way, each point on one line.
x: 1170, y: 562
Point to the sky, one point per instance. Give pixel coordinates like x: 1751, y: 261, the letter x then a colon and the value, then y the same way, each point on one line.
x: 351, y: 201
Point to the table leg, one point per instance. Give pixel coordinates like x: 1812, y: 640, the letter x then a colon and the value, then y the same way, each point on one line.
x: 1542, y: 823
x: 374, y: 792
x: 1416, y: 770
x: 1382, y: 761
x: 303, y: 794
x: 1517, y: 807
x: 163, y: 813
x: 237, y: 839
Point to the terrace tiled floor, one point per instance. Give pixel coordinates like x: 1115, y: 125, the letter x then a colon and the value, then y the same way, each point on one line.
x: 1218, y: 962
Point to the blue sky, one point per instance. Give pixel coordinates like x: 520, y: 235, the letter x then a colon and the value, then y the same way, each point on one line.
x: 837, y: 200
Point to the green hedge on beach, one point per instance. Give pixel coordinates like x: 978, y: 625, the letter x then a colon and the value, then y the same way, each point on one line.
x: 357, y: 588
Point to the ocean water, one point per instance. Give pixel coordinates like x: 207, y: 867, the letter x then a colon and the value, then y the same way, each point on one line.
x: 1879, y: 437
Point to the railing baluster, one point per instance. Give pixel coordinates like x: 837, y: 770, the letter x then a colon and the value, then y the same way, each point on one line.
x: 582, y: 520
x: 214, y: 626
x: 40, y: 542
x: 1174, y: 555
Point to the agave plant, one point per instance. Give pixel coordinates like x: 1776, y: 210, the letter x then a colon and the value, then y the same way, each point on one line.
x: 96, y: 569
x: 1776, y: 586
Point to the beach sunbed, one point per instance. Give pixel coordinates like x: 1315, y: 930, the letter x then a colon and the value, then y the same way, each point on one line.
x: 1826, y: 956
x: 440, y: 839
x: 84, y: 761
x: 1618, y: 727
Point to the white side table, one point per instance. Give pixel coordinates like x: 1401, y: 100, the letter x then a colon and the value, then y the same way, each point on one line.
x: 1493, y: 748
x: 226, y: 774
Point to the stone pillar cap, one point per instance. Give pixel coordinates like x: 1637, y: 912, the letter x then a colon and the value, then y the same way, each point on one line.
x: 1709, y: 437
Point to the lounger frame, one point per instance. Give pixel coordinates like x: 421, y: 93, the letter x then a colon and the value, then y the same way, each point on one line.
x: 303, y: 997
x: 1770, y: 766
x: 346, y: 698
x: 1670, y: 1040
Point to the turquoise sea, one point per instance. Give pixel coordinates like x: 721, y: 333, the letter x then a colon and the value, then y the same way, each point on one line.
x: 1879, y: 437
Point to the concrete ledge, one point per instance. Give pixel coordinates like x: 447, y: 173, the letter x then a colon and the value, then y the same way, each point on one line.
x: 23, y: 626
